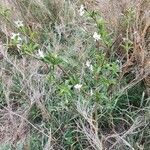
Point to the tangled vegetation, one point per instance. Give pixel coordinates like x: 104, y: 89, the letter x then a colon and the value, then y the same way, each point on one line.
x: 74, y: 75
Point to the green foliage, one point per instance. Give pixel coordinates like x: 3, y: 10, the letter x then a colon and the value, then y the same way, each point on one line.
x: 101, y: 27
x: 79, y: 88
x: 2, y: 95
x: 65, y: 89
x: 35, y: 115
x: 35, y: 142
x: 29, y: 48
x: 4, y: 12
x: 5, y: 147
x: 52, y: 59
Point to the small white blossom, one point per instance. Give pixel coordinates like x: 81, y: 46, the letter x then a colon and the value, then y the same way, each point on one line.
x: 135, y: 32
x: 16, y: 36
x: 96, y: 36
x: 89, y: 65
x: 19, y: 23
x: 19, y: 46
x: 40, y: 53
x: 91, y: 92
x: 78, y: 86
x: 84, y: 29
x: 81, y: 10
x: 118, y: 61
x: 124, y: 39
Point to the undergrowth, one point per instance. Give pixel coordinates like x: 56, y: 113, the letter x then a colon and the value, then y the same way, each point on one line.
x: 72, y: 77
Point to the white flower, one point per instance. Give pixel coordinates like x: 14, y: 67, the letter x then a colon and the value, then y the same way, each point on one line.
x: 78, y: 86
x: 125, y: 39
x: 89, y: 65
x: 16, y: 36
x: 40, y: 53
x: 118, y: 61
x: 96, y: 36
x: 19, y: 46
x: 84, y: 29
x: 91, y: 92
x: 19, y: 23
x: 81, y: 10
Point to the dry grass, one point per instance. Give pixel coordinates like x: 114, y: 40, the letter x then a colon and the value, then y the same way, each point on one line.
x: 29, y: 104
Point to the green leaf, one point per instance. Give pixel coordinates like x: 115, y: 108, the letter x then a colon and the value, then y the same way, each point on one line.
x: 52, y: 59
